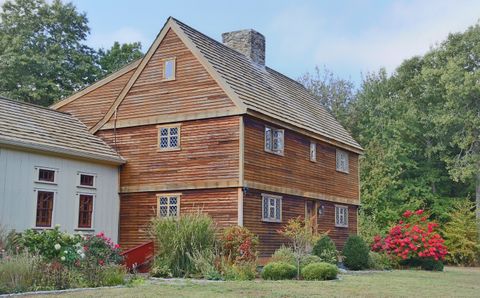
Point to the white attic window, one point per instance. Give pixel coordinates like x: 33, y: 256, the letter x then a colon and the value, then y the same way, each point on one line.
x: 169, y: 68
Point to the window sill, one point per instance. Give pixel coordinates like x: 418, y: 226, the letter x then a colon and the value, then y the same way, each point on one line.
x: 271, y: 221
x: 275, y: 153
x: 169, y: 149
x: 341, y: 226
x: 84, y: 230
x: 87, y: 187
x: 45, y: 182
x: 168, y: 80
x: 314, y: 161
x: 42, y: 228
x: 343, y: 172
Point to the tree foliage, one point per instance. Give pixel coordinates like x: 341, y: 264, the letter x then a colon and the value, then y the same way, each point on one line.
x: 43, y: 55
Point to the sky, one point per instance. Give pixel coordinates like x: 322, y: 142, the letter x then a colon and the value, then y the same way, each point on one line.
x: 347, y: 37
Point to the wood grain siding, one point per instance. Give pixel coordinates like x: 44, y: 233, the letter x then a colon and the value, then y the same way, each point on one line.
x: 294, y: 169
x: 192, y: 90
x: 137, y: 209
x: 292, y: 207
x: 91, y: 107
x: 209, y: 152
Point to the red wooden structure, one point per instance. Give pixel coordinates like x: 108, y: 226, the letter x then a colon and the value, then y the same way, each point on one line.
x: 139, y: 257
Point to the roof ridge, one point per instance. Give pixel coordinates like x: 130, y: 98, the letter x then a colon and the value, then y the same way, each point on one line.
x: 32, y: 105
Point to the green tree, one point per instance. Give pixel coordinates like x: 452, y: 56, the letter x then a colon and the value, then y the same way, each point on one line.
x: 118, y: 55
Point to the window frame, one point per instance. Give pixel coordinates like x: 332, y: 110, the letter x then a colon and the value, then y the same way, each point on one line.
x: 79, y: 180
x: 37, y: 175
x: 92, y: 219
x: 266, y: 196
x: 169, y: 195
x: 52, y: 215
x: 271, y: 150
x: 169, y: 126
x: 345, y: 216
x: 338, y: 153
x: 313, y: 157
x: 164, y: 69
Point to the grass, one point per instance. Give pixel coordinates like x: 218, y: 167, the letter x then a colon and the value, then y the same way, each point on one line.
x: 459, y: 282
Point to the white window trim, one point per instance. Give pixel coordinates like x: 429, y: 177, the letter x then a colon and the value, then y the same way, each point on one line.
x: 338, y: 152
x: 313, y: 157
x: 79, y: 174
x: 77, y: 208
x: 168, y: 195
x: 164, y: 70
x: 279, y: 152
x: 340, y: 225
x: 35, y: 200
x: 269, y: 196
x: 37, y: 173
x: 169, y: 126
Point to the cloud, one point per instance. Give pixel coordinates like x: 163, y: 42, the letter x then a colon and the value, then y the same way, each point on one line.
x: 406, y: 29
x: 122, y: 35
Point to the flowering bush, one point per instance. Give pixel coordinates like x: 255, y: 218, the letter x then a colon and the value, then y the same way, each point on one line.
x: 239, y: 244
x: 101, y: 250
x: 414, y: 237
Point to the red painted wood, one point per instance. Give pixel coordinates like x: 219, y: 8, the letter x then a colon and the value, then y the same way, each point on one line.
x: 139, y: 256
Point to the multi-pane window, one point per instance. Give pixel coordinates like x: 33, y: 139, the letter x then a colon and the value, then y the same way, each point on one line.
x: 44, y: 208
x: 169, y: 69
x: 85, y: 211
x: 168, y: 205
x: 46, y: 175
x: 169, y: 137
x: 342, y: 161
x: 313, y: 151
x: 341, y: 216
x: 271, y: 208
x: 87, y: 180
x: 274, y: 140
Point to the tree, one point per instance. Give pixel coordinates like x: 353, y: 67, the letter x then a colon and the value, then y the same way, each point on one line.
x: 334, y: 93
x: 118, y: 55
x: 42, y: 57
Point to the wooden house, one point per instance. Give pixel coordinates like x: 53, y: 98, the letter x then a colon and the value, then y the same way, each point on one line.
x: 53, y: 171
x: 207, y: 125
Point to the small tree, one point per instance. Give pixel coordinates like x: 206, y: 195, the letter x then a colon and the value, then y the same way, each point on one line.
x: 301, y: 237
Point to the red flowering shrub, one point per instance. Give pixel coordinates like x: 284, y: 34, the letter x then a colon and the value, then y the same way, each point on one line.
x: 101, y: 250
x: 412, y: 238
x: 239, y: 244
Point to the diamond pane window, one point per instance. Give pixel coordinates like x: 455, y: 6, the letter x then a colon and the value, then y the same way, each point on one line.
x: 168, y: 205
x: 342, y: 161
x: 274, y: 140
x: 341, y: 216
x: 271, y: 208
x: 169, y: 137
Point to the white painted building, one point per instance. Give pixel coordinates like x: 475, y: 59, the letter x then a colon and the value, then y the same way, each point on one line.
x: 53, y: 171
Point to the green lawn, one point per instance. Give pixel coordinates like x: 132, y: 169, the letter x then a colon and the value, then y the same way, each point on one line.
x: 453, y: 282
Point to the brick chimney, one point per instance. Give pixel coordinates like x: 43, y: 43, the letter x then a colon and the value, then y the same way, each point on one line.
x: 248, y: 42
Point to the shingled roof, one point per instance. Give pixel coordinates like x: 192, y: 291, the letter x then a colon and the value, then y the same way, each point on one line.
x: 267, y: 91
x: 37, y: 128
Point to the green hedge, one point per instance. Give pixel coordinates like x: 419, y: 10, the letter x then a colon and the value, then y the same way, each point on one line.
x: 278, y: 271
x: 355, y: 253
x: 320, y: 271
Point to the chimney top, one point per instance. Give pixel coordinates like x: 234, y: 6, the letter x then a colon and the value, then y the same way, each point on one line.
x: 248, y: 42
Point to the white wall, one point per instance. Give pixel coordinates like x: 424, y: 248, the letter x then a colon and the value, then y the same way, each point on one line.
x: 18, y: 195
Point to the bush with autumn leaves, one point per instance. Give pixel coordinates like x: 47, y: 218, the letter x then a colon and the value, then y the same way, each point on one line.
x: 414, y: 241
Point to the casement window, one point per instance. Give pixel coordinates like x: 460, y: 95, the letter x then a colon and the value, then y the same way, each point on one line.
x: 44, y: 208
x: 169, y: 68
x: 45, y: 175
x: 168, y: 205
x: 169, y: 137
x: 271, y: 208
x: 313, y: 151
x: 342, y: 161
x: 274, y: 140
x: 86, y: 180
x: 85, y: 211
x: 341, y: 216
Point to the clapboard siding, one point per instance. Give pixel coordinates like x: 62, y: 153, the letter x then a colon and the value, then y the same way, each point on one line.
x: 294, y: 169
x: 292, y: 207
x: 193, y: 89
x: 209, y: 151
x: 91, y: 107
x: 137, y: 209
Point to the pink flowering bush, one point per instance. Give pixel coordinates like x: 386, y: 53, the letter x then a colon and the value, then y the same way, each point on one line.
x: 414, y: 239
x: 101, y: 250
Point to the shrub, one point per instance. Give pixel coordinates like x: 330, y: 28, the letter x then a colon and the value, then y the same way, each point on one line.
x: 430, y: 264
x: 309, y: 259
x: 320, y: 271
x: 412, y: 238
x: 355, y: 253
x: 19, y: 273
x: 239, y: 244
x: 285, y: 255
x: 204, y: 262
x: 112, y: 275
x: 461, y: 235
x: 178, y: 239
x: 240, y: 271
x: 326, y: 250
x: 278, y: 271
x: 380, y: 261
x: 100, y: 250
